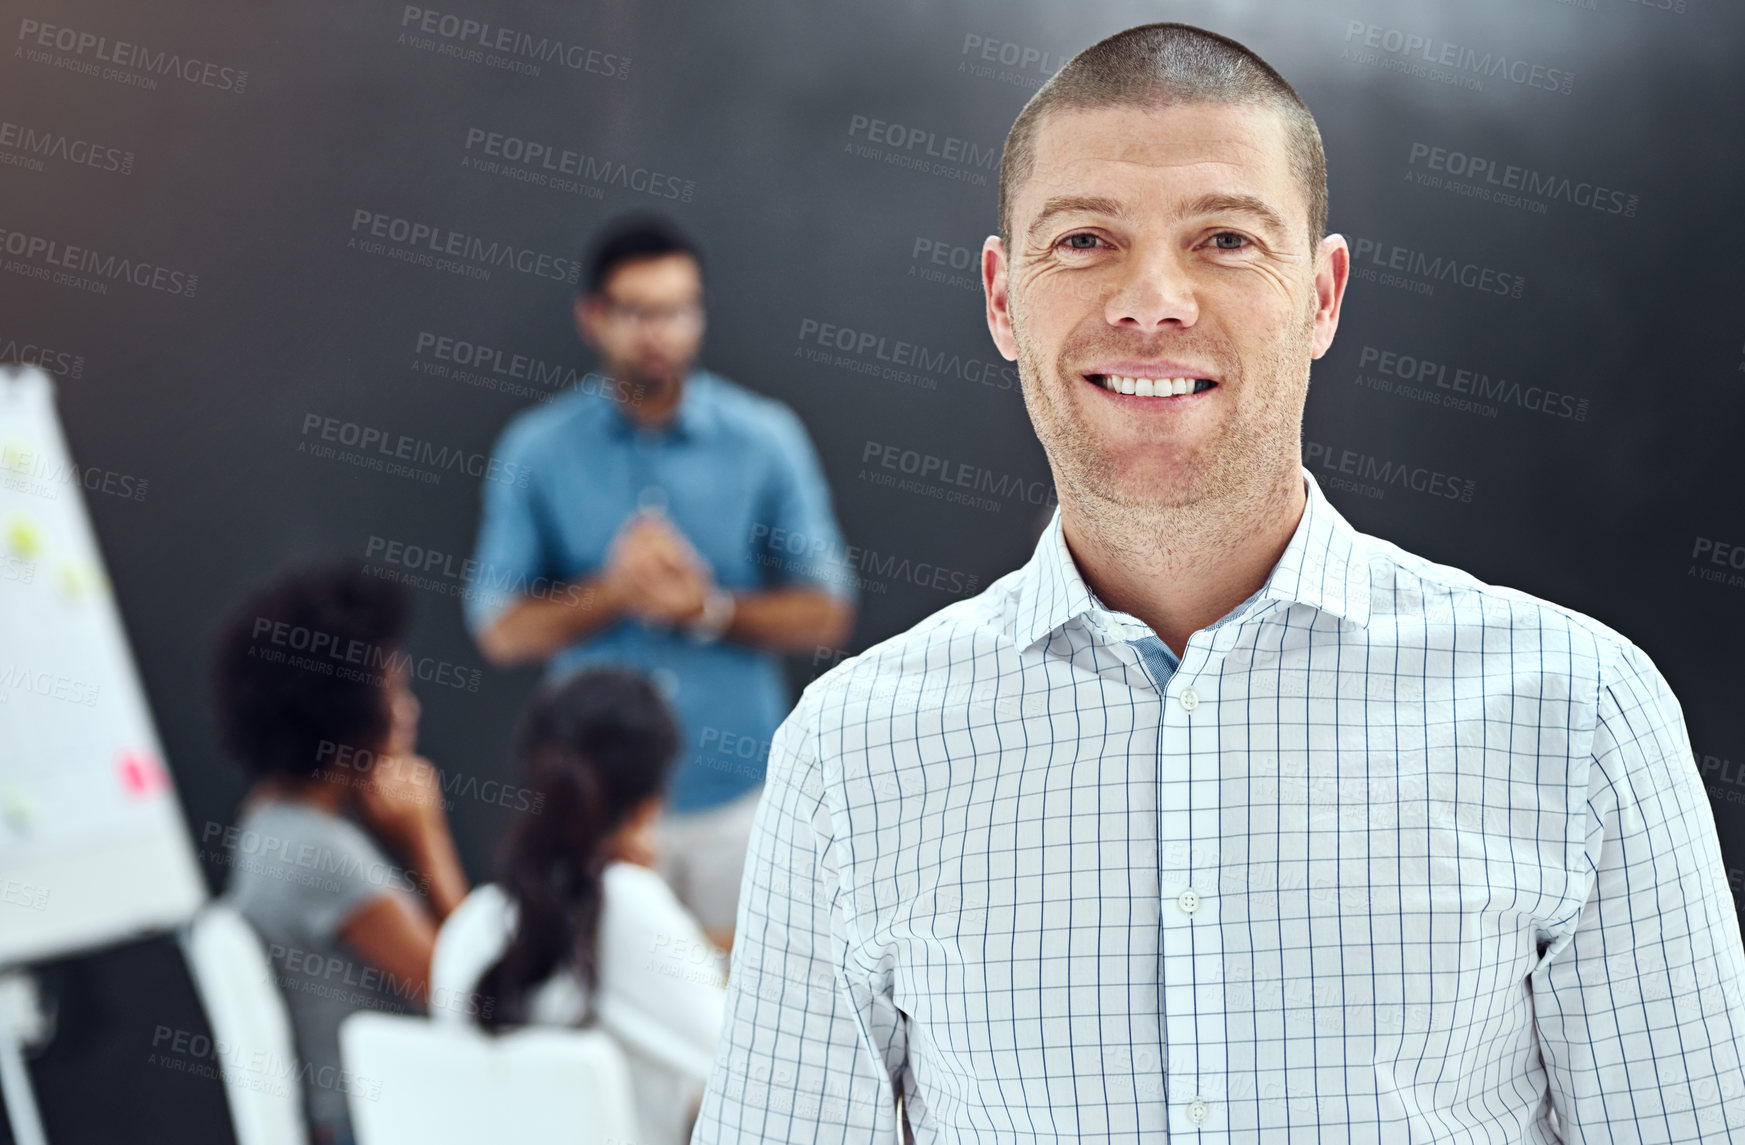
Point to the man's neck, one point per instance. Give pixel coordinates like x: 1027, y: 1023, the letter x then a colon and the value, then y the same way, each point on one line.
x: 653, y: 402
x: 1183, y: 569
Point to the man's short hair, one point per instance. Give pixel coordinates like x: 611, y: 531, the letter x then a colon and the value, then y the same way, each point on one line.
x: 630, y: 238
x: 1157, y: 65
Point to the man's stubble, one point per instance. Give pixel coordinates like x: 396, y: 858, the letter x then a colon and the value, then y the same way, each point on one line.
x: 1219, y: 486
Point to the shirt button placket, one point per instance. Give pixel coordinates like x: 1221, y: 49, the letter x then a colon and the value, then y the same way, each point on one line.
x: 1192, y: 946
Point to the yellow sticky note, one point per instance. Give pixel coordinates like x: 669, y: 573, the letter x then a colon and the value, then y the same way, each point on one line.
x: 18, y: 809
x: 24, y: 537
x: 72, y: 580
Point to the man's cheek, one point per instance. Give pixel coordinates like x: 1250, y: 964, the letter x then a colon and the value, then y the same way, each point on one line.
x: 1057, y: 295
x: 1092, y: 291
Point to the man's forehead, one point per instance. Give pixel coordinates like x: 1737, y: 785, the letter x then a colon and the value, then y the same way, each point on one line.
x: 1241, y: 142
x: 652, y: 273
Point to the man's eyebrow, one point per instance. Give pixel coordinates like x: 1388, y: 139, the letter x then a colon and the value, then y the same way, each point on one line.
x: 1062, y: 204
x: 1234, y: 202
x: 1211, y: 203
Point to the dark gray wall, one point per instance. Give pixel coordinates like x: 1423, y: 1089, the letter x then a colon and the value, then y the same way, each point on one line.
x: 743, y: 120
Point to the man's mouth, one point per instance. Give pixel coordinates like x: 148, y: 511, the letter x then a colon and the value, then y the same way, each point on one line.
x: 1151, y: 387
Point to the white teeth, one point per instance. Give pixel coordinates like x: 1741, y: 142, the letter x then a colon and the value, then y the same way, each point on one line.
x: 1149, y: 387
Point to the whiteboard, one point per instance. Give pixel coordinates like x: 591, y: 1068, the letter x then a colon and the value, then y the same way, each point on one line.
x: 93, y: 847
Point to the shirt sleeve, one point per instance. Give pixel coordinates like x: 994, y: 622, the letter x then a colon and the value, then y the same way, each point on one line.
x: 801, y: 541
x: 665, y: 992
x: 511, y: 548
x: 352, y: 870
x: 469, y: 941
x: 814, y: 1044
x: 1641, y: 1004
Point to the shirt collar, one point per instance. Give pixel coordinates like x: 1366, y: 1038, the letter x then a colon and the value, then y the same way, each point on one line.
x: 693, y: 419
x: 1323, y: 566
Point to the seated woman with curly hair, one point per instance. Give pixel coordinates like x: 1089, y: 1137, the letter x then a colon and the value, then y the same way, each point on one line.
x: 343, y: 861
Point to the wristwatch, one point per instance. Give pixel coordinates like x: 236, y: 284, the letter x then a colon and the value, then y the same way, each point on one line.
x: 717, y: 615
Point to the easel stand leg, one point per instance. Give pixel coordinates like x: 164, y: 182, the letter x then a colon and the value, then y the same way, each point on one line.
x: 21, y: 1111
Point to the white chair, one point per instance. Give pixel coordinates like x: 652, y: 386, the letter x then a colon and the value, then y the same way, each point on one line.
x: 249, y: 1022
x: 414, y: 1080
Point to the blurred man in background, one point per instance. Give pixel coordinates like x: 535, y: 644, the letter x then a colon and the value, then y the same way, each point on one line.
x: 657, y: 529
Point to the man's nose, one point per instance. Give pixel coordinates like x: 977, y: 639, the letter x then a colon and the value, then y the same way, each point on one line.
x: 1153, y: 291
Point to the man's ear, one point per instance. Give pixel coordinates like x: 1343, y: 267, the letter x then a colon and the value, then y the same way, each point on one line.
x: 1332, y: 272
x: 586, y: 311
x: 994, y: 288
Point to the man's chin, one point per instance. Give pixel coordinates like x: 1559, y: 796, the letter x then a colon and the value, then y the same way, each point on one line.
x: 1151, y: 499
x: 1149, y: 483
x: 644, y: 384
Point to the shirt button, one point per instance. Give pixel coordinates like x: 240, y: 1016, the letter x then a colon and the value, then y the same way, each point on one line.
x: 1189, y: 901
x: 1189, y: 699
x: 1197, y: 1111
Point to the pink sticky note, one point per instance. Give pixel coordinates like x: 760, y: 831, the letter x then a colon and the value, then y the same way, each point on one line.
x: 141, y: 774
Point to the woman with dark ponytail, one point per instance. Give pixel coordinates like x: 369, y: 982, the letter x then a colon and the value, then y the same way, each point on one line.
x: 580, y: 930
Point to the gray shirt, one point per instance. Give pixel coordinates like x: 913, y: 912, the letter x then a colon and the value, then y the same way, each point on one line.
x: 298, y: 873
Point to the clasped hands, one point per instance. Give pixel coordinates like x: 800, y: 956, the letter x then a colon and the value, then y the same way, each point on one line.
x: 654, y: 573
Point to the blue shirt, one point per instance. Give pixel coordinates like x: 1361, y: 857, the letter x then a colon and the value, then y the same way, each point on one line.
x: 736, y: 474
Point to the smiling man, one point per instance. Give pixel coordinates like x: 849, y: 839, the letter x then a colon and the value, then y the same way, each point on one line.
x: 1220, y: 820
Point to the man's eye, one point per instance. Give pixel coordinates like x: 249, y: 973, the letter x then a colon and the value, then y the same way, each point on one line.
x: 1229, y: 240
x: 1089, y: 244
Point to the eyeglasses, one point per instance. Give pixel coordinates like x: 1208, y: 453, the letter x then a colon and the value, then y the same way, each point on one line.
x: 684, y: 315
